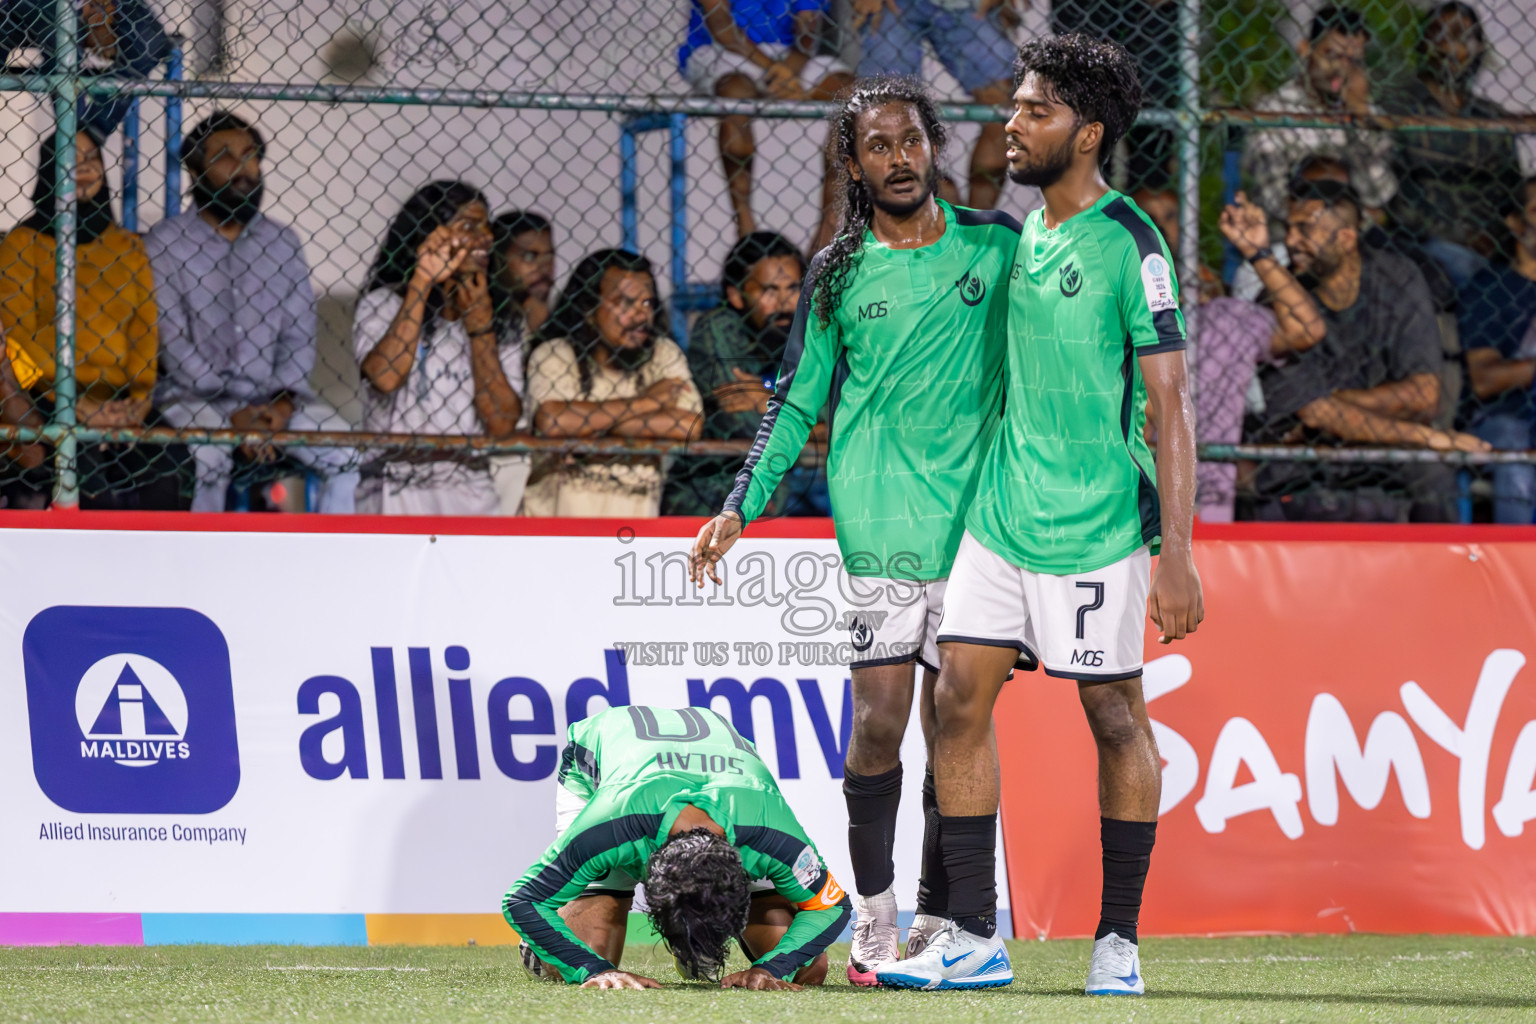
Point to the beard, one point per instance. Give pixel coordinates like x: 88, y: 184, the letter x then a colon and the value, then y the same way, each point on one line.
x: 628, y: 359
x: 773, y: 336
x: 1046, y: 171
x: 237, y: 202
x: 903, y: 207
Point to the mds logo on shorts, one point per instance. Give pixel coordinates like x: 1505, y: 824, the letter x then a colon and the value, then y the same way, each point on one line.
x: 131, y: 710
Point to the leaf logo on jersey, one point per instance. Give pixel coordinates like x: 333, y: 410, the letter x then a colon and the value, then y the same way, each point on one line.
x: 972, y: 289
x: 1071, y: 280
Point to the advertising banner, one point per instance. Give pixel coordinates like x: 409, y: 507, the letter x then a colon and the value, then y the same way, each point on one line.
x: 281, y: 735
x: 1349, y: 744
x: 205, y: 731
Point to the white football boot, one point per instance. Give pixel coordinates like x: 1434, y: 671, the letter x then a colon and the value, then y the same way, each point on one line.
x: 535, y: 967
x: 924, y: 928
x: 1115, y: 968
x: 876, y: 937
x: 954, y: 958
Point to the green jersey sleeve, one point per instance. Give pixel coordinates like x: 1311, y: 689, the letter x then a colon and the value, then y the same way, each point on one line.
x: 1148, y: 291
x: 578, y: 762
x: 595, y: 844
x: 788, y: 859
x: 805, y: 380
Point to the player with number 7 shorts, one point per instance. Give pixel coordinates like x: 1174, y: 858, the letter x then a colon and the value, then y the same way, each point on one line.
x: 678, y: 800
x: 1070, y: 508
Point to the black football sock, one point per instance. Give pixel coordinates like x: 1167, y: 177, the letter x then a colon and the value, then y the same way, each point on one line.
x: 1127, y: 853
x: 933, y: 883
x: 872, y: 802
x: 970, y: 859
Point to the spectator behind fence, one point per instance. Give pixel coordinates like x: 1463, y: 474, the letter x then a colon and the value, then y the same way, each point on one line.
x: 972, y: 39
x: 1232, y: 338
x: 1374, y: 379
x: 734, y: 352
x: 1498, y: 318
x: 752, y: 49
x: 237, y: 319
x: 16, y: 410
x: 1332, y: 80
x: 1452, y: 185
x: 607, y: 370
x: 425, y: 339
x: 117, y: 37
x: 522, y: 276
x: 115, y: 340
x: 1319, y: 167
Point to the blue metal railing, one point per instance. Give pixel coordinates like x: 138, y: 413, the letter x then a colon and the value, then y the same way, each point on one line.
x: 132, y: 149
x: 687, y: 296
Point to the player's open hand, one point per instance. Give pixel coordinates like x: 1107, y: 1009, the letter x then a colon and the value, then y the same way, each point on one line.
x: 1177, y: 603
x: 620, y: 979
x: 714, y: 540
x: 758, y: 980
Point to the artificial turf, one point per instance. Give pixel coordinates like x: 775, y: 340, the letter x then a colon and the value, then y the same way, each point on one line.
x: 1333, y: 978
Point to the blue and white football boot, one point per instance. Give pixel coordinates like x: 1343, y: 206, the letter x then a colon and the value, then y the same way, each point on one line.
x: 1115, y: 968
x: 954, y: 958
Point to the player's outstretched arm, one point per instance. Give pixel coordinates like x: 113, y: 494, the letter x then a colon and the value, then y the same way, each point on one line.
x: 1176, y: 602
x: 620, y: 979
x: 714, y: 540
x: 758, y: 980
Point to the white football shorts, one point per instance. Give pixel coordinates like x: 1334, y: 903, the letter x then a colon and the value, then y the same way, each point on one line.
x: 1087, y: 626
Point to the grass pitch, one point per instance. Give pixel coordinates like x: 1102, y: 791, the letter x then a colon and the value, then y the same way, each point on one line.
x: 1355, y: 978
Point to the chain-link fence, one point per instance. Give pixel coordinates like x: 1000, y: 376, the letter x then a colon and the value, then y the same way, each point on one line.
x: 480, y: 258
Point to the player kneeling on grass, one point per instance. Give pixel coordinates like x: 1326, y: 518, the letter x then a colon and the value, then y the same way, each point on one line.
x: 678, y: 800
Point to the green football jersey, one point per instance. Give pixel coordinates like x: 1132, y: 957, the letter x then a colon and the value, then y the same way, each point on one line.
x: 912, y: 362
x: 637, y: 767
x: 1069, y: 484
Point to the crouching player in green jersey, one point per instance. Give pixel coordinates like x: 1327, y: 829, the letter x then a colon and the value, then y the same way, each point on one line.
x: 900, y: 332
x: 680, y: 801
x: 1058, y: 544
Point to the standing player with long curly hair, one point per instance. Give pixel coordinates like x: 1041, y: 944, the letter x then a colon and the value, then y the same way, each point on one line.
x: 901, y: 327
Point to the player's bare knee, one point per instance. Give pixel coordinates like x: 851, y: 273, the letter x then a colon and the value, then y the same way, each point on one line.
x: 879, y: 723
x: 958, y: 708
x: 1113, y: 716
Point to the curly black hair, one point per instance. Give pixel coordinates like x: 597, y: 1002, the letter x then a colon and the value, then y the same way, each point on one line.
x: 834, y: 266
x: 1095, y: 78
x: 697, y: 890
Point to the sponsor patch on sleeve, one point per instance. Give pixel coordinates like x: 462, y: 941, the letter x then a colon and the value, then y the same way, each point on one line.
x: 807, y: 867
x: 831, y: 895
x: 1157, y: 282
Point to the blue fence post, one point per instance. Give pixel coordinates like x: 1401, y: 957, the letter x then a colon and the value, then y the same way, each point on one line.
x: 629, y: 175
x: 131, y: 166
x: 1231, y: 181
x: 173, y: 137
x: 679, y: 130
